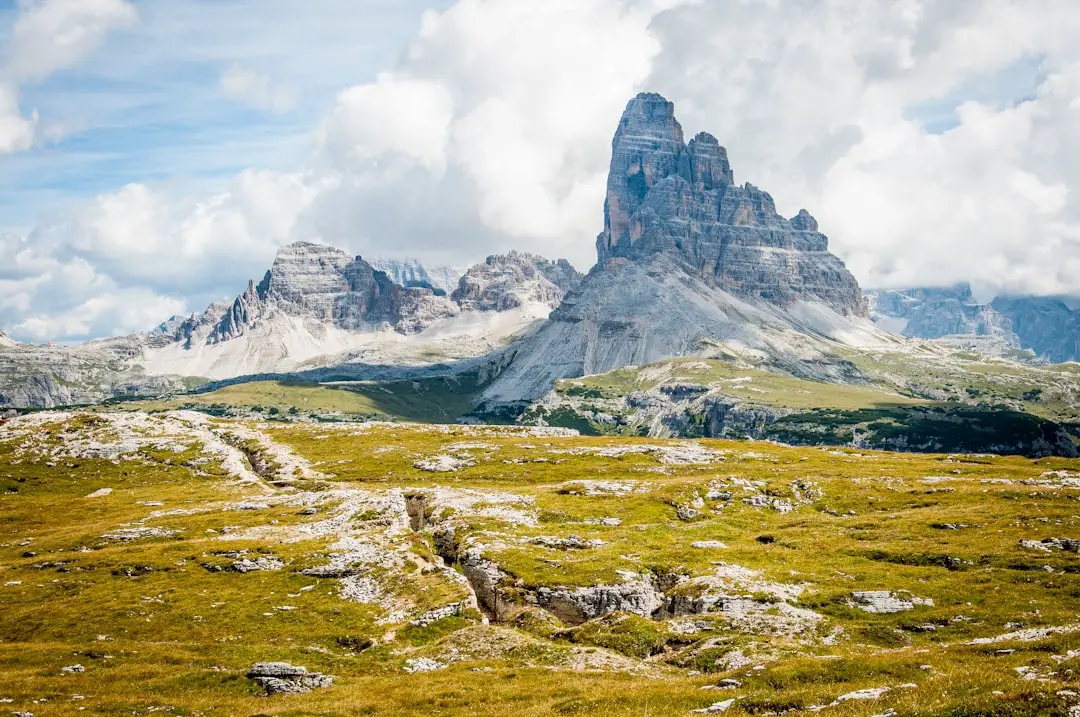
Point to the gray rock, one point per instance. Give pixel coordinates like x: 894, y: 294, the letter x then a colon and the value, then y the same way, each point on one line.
x: 412, y: 273
x: 930, y: 313
x: 665, y: 196
x: 685, y: 512
x: 582, y: 604
x: 283, y: 678
x: 326, y: 284
x: 686, y: 259
x: 886, y: 602
x: 571, y: 542
x: 505, y: 282
x: 1046, y: 545
x: 1046, y: 326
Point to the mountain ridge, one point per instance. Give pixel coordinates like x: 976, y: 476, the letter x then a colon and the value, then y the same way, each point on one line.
x: 686, y: 258
x: 1044, y: 325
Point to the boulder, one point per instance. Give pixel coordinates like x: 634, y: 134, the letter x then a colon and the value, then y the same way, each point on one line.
x: 283, y: 678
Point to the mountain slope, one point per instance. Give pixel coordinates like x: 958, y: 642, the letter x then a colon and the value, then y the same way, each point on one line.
x: 1046, y: 326
x: 688, y: 259
x: 412, y: 272
x: 316, y: 307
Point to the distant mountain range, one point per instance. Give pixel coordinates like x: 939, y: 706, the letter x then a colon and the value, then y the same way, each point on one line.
x: 689, y: 263
x: 1047, y: 327
x: 315, y: 307
x: 414, y: 273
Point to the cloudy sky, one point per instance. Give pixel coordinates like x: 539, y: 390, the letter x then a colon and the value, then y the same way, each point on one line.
x: 155, y: 153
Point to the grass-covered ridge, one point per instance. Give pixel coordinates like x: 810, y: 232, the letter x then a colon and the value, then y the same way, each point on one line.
x: 140, y: 585
x: 432, y: 400
x: 937, y: 402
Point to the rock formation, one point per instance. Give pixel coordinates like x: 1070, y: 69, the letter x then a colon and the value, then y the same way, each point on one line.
x: 413, y: 273
x: 1044, y: 325
x: 688, y: 259
x: 507, y: 281
x: 6, y: 341
x: 929, y: 313
x: 316, y: 307
x: 664, y: 196
x: 310, y: 281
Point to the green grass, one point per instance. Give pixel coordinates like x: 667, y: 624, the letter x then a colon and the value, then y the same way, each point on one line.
x: 180, y: 633
x: 434, y: 400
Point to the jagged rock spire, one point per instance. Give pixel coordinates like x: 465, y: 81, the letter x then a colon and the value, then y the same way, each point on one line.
x: 666, y: 196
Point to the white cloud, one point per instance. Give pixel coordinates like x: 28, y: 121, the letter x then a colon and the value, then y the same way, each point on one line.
x: 493, y: 131
x: 52, y: 35
x: 505, y: 105
x: 110, y: 313
x: 142, y: 237
x: 813, y: 102
x: 256, y: 89
x: 16, y: 132
x: 395, y: 117
x: 45, y: 298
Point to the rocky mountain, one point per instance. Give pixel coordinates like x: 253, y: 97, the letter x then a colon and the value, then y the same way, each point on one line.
x: 689, y: 260
x: 6, y: 341
x: 665, y: 196
x: 412, y: 272
x: 1046, y: 326
x: 508, y: 281
x: 327, y: 285
x: 315, y: 307
x: 931, y: 313
x: 44, y: 376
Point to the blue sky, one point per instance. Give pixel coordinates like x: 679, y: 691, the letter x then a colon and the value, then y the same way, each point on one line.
x: 148, y: 105
x: 162, y: 151
x: 1005, y: 87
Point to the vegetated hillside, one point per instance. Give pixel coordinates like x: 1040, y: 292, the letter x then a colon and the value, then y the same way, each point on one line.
x: 149, y: 561
x: 441, y: 399
x: 936, y: 400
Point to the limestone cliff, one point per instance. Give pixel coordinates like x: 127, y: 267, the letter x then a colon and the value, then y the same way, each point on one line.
x: 688, y: 260
x: 508, y: 281
x: 665, y: 196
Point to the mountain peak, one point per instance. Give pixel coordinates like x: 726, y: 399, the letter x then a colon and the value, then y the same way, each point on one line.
x: 680, y: 199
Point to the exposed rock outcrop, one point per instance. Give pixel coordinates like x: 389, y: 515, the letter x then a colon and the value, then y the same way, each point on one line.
x: 1044, y: 325
x: 283, y: 678
x: 320, y: 283
x: 886, y: 602
x: 505, y: 282
x: 929, y: 313
x: 688, y: 259
x: 665, y: 196
x: 578, y: 605
x: 412, y: 273
x: 6, y: 341
x: 51, y: 376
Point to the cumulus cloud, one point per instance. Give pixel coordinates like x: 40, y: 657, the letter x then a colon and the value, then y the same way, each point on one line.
x: 16, y: 131
x: 256, y: 89
x: 818, y: 103
x: 46, y: 298
x: 128, y: 260
x: 493, y: 132
x: 50, y: 35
